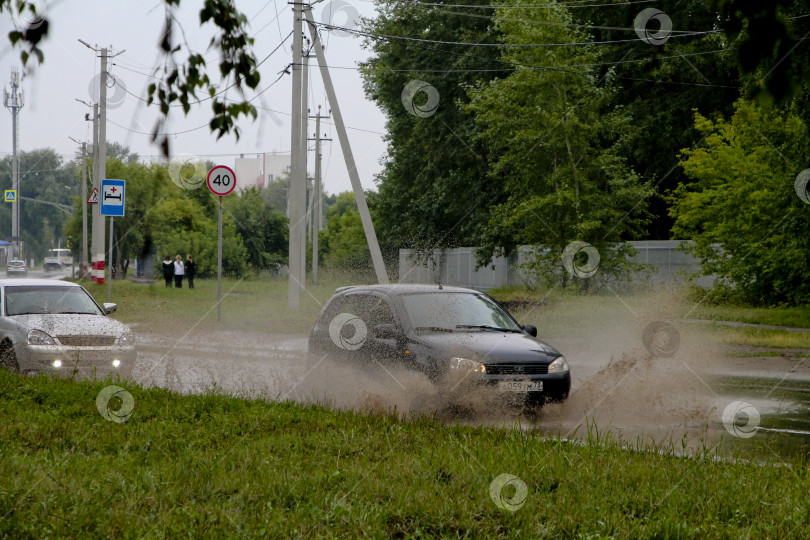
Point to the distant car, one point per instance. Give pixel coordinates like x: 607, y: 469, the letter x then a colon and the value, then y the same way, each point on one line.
x: 16, y: 268
x: 57, y: 327
x: 437, y: 330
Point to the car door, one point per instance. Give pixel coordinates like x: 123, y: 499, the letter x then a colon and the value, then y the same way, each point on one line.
x: 354, y: 328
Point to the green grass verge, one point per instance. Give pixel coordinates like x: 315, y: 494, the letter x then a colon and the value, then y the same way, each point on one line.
x: 253, y: 305
x: 211, y: 465
x: 781, y: 316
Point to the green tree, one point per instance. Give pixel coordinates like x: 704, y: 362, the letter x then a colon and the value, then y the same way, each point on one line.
x: 181, y: 226
x: 264, y: 231
x: 434, y: 190
x: 147, y: 185
x: 45, y: 178
x: 748, y: 224
x: 556, y: 140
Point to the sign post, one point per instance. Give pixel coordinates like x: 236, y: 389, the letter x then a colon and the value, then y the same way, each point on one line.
x: 221, y: 181
x: 112, y: 204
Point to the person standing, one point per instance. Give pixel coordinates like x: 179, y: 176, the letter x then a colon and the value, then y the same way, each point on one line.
x: 191, y: 270
x: 168, y: 270
x: 178, y: 272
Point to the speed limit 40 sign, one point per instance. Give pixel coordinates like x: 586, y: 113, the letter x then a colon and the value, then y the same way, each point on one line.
x: 221, y: 180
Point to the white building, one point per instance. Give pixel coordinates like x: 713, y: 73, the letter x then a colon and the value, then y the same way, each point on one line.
x: 261, y: 170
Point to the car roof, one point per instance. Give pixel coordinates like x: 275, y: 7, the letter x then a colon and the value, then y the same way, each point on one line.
x: 16, y: 260
x: 38, y: 282
x: 397, y: 289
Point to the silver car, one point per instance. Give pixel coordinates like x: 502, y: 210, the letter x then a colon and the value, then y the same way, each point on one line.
x: 57, y: 327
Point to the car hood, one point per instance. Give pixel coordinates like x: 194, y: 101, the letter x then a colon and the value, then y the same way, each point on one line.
x: 490, y: 347
x: 72, y: 324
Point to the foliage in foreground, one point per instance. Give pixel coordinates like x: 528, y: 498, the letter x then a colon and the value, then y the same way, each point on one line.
x: 215, y: 465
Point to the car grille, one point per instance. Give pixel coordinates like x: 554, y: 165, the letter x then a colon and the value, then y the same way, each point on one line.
x: 86, y: 341
x: 517, y: 369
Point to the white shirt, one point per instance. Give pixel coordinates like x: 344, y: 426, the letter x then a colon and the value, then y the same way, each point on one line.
x: 178, y: 268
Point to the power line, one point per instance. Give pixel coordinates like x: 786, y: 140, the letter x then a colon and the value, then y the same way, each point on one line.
x: 209, y: 97
x: 372, y: 35
x: 569, y: 5
x: 539, y: 68
x: 160, y: 134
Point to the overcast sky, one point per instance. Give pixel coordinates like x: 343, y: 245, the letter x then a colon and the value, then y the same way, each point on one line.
x: 51, y: 113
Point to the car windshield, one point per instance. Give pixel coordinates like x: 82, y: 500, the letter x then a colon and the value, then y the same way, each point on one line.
x: 16, y: 263
x: 456, y: 311
x: 28, y: 299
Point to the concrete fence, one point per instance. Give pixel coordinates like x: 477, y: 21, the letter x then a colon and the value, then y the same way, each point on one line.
x: 667, y: 265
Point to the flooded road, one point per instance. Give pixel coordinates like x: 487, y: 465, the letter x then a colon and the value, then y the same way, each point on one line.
x: 744, y: 401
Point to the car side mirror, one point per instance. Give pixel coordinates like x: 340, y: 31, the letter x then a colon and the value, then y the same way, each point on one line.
x: 530, y: 329
x: 110, y: 308
x: 387, y: 331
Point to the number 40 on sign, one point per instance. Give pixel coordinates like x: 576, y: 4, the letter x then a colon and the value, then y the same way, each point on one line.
x: 221, y: 180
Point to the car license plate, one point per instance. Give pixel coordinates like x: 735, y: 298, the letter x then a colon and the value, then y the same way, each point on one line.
x: 520, y: 386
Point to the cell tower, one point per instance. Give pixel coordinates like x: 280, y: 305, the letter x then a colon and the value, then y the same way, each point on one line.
x: 14, y: 102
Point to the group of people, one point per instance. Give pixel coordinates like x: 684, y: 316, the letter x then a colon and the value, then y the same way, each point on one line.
x: 177, y: 269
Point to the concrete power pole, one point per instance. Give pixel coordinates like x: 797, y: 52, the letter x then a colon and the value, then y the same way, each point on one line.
x: 297, y: 199
x: 304, y: 152
x: 14, y: 102
x: 97, y: 222
x: 83, y: 260
x: 351, y: 166
x: 99, y: 164
x: 98, y: 233
x: 316, y: 206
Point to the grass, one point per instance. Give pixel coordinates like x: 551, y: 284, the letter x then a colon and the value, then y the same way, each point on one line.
x: 760, y: 337
x: 212, y: 465
x: 780, y: 316
x: 252, y: 305
x: 564, y: 314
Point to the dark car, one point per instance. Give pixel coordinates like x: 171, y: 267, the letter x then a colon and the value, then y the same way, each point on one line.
x: 438, y: 330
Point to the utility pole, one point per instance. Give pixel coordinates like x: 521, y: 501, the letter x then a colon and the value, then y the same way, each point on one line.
x: 99, y: 164
x: 304, y: 152
x: 351, y: 166
x: 98, y: 243
x: 83, y: 260
x: 97, y: 224
x: 316, y: 210
x: 14, y: 101
x: 297, y: 199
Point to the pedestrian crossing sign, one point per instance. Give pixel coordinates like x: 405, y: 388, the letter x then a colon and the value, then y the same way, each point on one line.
x: 10, y: 195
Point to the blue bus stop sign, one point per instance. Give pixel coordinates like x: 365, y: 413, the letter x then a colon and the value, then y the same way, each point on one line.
x: 112, y: 197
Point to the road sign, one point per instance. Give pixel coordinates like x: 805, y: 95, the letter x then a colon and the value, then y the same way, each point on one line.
x: 112, y: 197
x: 221, y: 180
x: 10, y: 195
x: 93, y: 199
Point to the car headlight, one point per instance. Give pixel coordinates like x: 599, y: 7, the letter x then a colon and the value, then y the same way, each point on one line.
x: 38, y: 337
x: 126, y: 339
x: 467, y: 365
x: 558, y: 366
